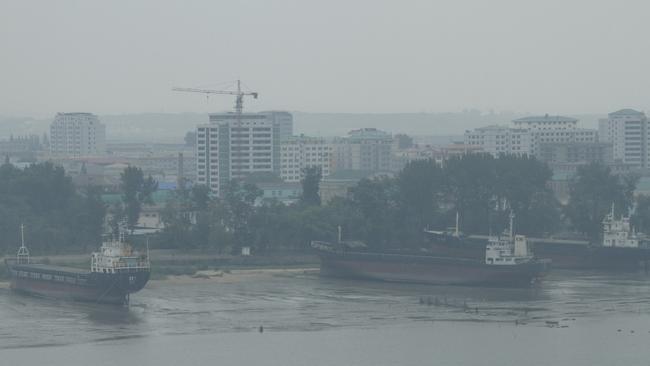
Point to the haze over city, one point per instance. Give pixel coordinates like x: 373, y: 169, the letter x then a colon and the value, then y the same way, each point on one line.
x: 118, y: 57
x: 317, y: 183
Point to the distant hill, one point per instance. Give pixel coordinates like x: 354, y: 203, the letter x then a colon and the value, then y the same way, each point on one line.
x: 171, y: 127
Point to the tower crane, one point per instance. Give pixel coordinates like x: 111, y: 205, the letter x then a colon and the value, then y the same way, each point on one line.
x: 239, y: 107
x: 239, y: 100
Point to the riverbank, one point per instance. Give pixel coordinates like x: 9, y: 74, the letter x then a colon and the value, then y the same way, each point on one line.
x: 239, y: 275
x: 198, y: 265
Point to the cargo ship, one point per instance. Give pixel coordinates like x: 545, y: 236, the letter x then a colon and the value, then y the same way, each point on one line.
x: 116, y: 271
x: 621, y: 248
x: 508, y: 260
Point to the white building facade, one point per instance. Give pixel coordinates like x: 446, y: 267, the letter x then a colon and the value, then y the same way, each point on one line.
x: 234, y: 147
x: 77, y: 134
x: 627, y: 131
x: 367, y: 149
x: 498, y: 140
x: 230, y: 148
x: 554, y: 129
x: 300, y: 152
x: 528, y: 134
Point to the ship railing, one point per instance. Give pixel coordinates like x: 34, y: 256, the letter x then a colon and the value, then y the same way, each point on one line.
x: 119, y: 265
x: 139, y: 265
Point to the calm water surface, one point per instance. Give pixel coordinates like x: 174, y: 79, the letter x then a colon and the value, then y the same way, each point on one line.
x: 572, y: 318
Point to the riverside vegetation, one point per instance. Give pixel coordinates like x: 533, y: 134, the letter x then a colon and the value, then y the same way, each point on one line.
x: 386, y: 212
x: 390, y: 212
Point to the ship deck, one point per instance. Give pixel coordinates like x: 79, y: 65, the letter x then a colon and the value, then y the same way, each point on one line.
x: 50, y: 268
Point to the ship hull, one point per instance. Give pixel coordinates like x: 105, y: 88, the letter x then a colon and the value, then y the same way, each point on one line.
x: 429, y: 270
x: 72, y: 284
x: 563, y: 255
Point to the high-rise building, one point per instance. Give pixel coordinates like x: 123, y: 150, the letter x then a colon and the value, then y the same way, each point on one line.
x: 77, y: 134
x: 300, y: 152
x: 282, y: 129
x: 282, y: 123
x: 367, y: 149
x: 233, y: 147
x: 627, y: 130
x: 528, y: 134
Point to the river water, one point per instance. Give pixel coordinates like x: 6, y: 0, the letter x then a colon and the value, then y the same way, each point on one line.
x: 572, y: 318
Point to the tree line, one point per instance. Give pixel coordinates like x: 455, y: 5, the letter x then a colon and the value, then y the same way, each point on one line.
x: 391, y: 212
x: 59, y: 217
x: 384, y: 212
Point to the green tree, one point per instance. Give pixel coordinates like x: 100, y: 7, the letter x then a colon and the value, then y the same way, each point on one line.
x: 470, y: 182
x: 591, y: 194
x: 376, y: 201
x: 200, y: 195
x: 543, y: 215
x: 420, y: 186
x: 641, y: 217
x: 310, y: 185
x: 239, y: 201
x: 57, y: 218
x: 136, y: 191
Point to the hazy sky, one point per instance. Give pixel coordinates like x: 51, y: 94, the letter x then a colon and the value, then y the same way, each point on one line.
x: 119, y: 56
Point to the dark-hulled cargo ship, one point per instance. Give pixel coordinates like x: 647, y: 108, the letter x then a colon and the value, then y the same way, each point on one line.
x: 116, y: 271
x: 621, y: 248
x: 508, y: 261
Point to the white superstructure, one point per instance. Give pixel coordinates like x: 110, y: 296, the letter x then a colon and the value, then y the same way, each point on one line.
x: 508, y: 249
x: 116, y: 256
x: 619, y: 233
x: 77, y: 134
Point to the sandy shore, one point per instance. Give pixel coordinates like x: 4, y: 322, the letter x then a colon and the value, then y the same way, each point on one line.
x: 237, y: 275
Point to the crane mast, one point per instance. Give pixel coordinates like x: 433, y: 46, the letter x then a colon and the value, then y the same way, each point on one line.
x: 239, y: 94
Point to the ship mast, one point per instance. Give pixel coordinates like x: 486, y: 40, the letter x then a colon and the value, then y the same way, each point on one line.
x: 23, y: 252
x: 512, y: 217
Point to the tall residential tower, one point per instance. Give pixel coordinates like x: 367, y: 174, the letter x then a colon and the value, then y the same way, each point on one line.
x: 232, y: 146
x: 77, y: 134
x: 627, y: 131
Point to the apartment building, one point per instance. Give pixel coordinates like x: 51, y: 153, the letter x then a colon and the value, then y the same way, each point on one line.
x: 367, y: 149
x: 627, y: 131
x: 300, y: 152
x: 77, y: 134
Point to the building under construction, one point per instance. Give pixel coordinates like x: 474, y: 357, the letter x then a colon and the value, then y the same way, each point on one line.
x: 233, y: 146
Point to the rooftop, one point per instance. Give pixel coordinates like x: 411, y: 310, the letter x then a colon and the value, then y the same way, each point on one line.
x: 546, y: 119
x: 74, y: 114
x: 626, y: 112
x: 368, y: 133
